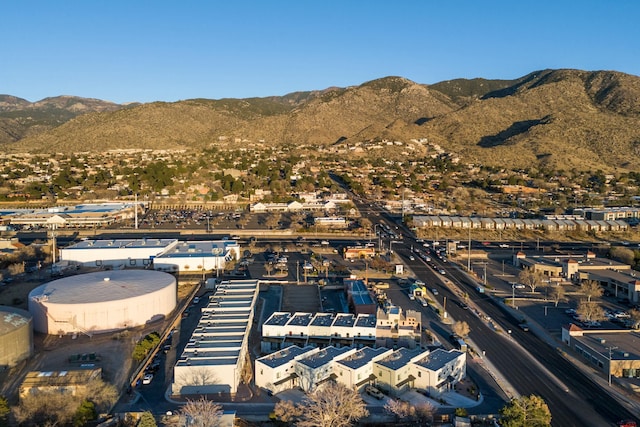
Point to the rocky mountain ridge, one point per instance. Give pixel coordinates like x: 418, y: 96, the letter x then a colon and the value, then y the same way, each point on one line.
x: 550, y: 118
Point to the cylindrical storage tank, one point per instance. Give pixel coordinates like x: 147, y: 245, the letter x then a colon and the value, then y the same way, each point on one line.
x: 16, y: 336
x: 103, y: 301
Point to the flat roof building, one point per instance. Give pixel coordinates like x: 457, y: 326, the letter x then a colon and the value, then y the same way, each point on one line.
x: 197, y: 257
x: 126, y: 253
x: 213, y: 359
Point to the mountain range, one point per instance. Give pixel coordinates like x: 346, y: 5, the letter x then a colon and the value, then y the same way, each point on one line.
x: 563, y: 119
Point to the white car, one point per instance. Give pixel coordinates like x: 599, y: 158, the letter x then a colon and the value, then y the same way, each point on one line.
x: 147, y: 379
x: 372, y: 391
x: 504, y: 245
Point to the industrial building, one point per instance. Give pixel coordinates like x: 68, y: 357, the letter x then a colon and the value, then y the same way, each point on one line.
x: 359, y: 297
x: 103, y: 301
x: 16, y: 336
x: 214, y: 358
x: 170, y: 255
x: 197, y: 257
x: 615, y: 352
x: 116, y: 253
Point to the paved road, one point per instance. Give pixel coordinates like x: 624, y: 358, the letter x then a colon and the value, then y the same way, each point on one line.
x: 573, y: 398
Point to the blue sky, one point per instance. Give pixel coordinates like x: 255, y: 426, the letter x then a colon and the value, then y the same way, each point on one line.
x: 127, y: 51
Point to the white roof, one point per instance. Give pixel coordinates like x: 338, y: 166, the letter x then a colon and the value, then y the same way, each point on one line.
x: 112, y: 285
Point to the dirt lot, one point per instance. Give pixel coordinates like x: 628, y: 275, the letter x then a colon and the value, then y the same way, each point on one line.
x: 51, y: 352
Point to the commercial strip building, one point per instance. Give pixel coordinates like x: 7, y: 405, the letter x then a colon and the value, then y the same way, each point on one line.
x: 614, y: 352
x: 78, y: 216
x: 567, y: 266
x: 214, y: 359
x: 394, y: 371
x: 615, y: 277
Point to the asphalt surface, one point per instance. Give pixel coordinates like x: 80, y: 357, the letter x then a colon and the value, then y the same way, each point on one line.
x: 527, y: 364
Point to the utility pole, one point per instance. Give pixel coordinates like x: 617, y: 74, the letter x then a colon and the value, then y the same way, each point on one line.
x: 135, y: 210
x: 469, y: 251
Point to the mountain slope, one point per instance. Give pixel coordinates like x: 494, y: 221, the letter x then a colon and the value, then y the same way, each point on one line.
x: 556, y: 118
x: 20, y: 118
x: 562, y: 118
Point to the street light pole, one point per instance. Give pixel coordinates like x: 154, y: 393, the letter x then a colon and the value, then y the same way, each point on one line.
x: 609, y: 368
x: 513, y: 296
x: 485, y: 274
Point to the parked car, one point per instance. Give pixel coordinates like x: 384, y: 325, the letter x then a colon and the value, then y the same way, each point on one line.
x: 147, y: 379
x: 372, y: 391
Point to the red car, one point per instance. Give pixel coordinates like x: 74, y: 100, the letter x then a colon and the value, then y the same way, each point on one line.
x: 627, y: 423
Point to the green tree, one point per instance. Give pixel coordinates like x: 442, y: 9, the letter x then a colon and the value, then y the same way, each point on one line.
x: 143, y: 347
x: 147, y: 420
x: 624, y: 255
x: 527, y: 411
x: 86, y: 412
x: 5, y: 410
